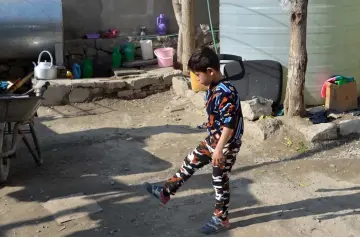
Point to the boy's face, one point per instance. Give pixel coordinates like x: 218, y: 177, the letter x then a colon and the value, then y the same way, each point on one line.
x: 206, y: 78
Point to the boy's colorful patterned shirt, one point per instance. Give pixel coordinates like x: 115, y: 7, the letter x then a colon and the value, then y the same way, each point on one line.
x: 224, y: 110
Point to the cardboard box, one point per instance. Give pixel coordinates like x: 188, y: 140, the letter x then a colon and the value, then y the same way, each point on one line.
x: 341, y: 98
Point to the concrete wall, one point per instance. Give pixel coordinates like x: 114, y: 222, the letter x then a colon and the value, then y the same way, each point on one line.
x: 84, y: 16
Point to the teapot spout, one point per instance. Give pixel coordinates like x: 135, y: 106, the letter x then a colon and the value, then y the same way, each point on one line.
x: 34, y: 64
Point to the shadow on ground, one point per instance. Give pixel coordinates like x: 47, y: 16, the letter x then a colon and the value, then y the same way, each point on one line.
x: 85, y: 161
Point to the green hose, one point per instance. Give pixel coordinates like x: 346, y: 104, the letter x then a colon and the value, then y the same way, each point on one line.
x: 211, y: 26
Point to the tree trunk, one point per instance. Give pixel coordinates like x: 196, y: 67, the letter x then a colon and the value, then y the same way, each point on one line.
x: 177, y: 10
x: 188, y: 32
x: 294, y: 100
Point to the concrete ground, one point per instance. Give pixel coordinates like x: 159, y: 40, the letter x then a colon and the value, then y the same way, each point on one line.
x: 107, y: 149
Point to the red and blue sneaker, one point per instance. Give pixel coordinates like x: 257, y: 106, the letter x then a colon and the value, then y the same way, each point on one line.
x: 158, y: 192
x: 215, y: 225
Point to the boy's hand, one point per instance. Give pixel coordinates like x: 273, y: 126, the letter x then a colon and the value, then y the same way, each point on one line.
x: 218, y: 158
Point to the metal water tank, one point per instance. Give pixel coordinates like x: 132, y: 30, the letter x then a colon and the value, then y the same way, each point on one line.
x: 29, y: 26
x: 259, y: 29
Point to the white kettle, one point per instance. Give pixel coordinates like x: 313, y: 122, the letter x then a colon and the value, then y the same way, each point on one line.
x: 45, y: 70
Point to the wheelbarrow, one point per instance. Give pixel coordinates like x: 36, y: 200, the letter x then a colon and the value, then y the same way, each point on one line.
x: 17, y: 114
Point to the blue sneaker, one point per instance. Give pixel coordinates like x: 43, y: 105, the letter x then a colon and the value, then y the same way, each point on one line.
x: 215, y: 225
x: 158, y: 192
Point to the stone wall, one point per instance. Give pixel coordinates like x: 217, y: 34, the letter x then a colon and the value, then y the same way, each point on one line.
x: 86, y: 16
x: 100, y: 52
x: 64, y: 91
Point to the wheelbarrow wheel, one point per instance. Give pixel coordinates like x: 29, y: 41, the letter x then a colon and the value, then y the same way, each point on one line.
x: 5, y: 162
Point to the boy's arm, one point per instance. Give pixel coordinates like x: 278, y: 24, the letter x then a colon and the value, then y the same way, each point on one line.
x: 224, y: 138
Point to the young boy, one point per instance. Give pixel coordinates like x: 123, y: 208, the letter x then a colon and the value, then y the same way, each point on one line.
x: 225, y: 129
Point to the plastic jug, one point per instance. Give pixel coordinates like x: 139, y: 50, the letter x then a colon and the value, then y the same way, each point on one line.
x: 76, y: 71
x: 196, y: 86
x: 116, y: 58
x: 147, y: 49
x: 129, y: 52
x: 88, y: 68
x: 161, y: 25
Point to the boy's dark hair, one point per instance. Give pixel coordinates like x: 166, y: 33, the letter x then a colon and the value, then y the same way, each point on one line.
x: 202, y: 59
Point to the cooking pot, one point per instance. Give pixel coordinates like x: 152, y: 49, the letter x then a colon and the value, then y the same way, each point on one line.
x: 45, y: 70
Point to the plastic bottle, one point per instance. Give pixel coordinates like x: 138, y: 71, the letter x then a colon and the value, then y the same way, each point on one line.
x: 142, y: 33
x: 116, y: 58
x: 129, y: 52
x: 88, y: 68
x: 147, y: 49
x: 161, y: 25
x: 76, y: 71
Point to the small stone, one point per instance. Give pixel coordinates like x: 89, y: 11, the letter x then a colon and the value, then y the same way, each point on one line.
x: 262, y: 129
x: 177, y: 109
x: 255, y: 108
x: 180, y: 85
x: 332, y: 166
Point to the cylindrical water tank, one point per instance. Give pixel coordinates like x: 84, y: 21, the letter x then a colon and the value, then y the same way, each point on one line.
x: 28, y: 27
x: 259, y: 29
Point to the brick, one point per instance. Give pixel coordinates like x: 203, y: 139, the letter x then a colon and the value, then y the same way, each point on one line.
x: 140, y: 82
x: 78, y: 95
x: 140, y: 95
x: 125, y: 93
x: 168, y: 77
x: 56, y: 95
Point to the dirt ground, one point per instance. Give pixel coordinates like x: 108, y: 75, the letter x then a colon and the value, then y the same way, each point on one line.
x: 107, y: 149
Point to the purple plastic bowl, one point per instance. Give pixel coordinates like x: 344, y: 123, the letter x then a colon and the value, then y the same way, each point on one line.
x: 93, y: 36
